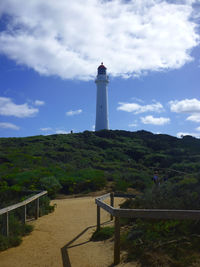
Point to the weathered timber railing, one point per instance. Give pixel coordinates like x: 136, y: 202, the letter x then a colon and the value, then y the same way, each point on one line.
x: 5, y: 211
x: 136, y: 213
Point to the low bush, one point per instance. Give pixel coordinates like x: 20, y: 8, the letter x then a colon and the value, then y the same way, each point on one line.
x: 51, y: 184
x: 164, y: 242
x: 103, y: 234
x: 7, y: 242
x: 159, y: 243
x: 183, y: 194
x: 83, y: 181
x: 16, y: 230
x: 120, y: 184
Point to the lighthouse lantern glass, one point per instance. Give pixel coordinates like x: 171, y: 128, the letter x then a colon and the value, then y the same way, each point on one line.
x: 101, y: 70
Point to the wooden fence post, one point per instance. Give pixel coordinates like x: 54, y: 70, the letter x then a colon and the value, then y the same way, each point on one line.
x: 137, y: 213
x: 98, y: 218
x: 111, y: 203
x: 117, y: 241
x: 37, y: 208
x: 24, y: 215
x: 6, y: 224
x: 5, y: 211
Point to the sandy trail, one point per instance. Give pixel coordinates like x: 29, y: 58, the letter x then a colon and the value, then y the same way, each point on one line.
x: 71, y: 226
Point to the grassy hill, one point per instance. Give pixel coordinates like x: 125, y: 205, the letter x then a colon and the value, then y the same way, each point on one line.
x: 83, y: 162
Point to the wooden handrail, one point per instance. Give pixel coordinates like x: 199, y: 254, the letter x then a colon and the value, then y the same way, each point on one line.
x: 137, y: 213
x: 145, y: 213
x: 103, y: 197
x: 105, y: 206
x: 20, y: 204
x: 5, y: 211
x: 157, y: 214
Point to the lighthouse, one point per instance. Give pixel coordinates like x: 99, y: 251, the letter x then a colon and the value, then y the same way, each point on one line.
x: 102, y: 99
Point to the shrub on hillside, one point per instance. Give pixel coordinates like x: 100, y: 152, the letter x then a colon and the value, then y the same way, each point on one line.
x: 121, y: 184
x: 51, y: 184
x: 83, y: 181
x: 171, y: 239
x: 181, y: 195
x: 162, y: 242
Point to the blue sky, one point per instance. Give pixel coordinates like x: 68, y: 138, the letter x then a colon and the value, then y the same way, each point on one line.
x: 50, y: 51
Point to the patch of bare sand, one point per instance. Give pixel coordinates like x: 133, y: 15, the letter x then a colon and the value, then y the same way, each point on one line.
x: 61, y: 239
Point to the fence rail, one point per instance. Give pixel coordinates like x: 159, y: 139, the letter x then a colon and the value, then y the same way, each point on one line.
x: 136, y: 213
x: 5, y: 211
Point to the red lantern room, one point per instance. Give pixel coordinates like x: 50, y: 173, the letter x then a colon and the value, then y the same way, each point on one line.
x: 102, y: 69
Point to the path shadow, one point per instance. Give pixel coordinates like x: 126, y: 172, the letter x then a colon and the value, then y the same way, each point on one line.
x: 64, y: 252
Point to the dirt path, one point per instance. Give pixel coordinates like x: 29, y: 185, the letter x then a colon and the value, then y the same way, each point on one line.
x: 61, y: 239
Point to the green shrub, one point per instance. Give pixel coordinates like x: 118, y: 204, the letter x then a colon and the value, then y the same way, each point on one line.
x: 45, y: 206
x: 16, y: 230
x: 15, y: 241
x: 103, y: 234
x: 83, y: 181
x: 51, y: 184
x: 172, y: 239
x: 4, y: 242
x: 121, y: 185
x: 162, y: 242
x: 183, y: 194
x: 11, y: 241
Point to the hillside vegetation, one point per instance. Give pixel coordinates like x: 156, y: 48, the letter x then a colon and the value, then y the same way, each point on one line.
x: 118, y: 160
x: 83, y: 162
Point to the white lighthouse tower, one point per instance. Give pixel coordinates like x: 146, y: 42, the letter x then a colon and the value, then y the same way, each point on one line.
x: 102, y: 99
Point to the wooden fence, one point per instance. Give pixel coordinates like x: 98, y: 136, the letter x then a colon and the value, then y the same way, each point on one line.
x: 136, y: 213
x: 5, y: 212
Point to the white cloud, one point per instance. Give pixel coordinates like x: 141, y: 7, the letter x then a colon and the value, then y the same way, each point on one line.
x: 198, y: 128
x: 73, y: 112
x: 155, y: 121
x: 47, y: 129
x: 8, y: 108
x: 194, y: 117
x: 132, y: 125
x: 181, y: 134
x: 69, y: 38
x: 137, y: 108
x: 57, y: 131
x: 8, y: 125
x: 187, y: 106
x: 39, y: 103
x: 61, y: 132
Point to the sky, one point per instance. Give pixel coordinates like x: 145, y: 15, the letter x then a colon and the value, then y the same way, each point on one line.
x: 50, y: 52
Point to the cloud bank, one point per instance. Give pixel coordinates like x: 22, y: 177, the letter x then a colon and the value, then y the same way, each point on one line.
x: 187, y: 106
x: 69, y: 38
x: 137, y: 108
x: 50, y: 130
x: 39, y: 103
x: 155, y: 121
x: 73, y: 112
x: 8, y: 125
x: 9, y: 108
x: 46, y: 129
